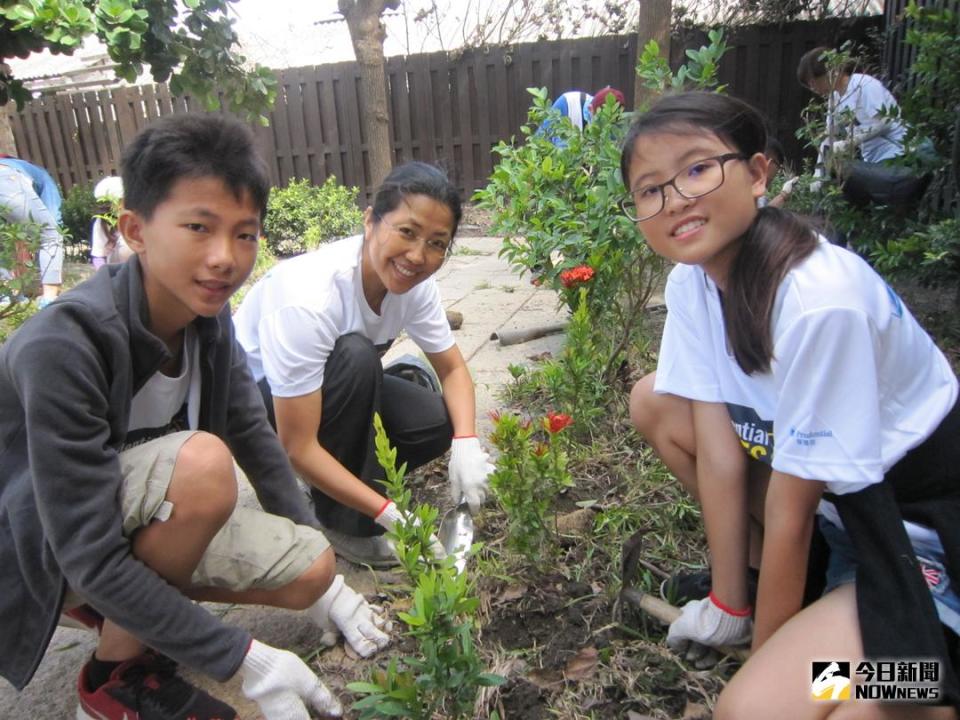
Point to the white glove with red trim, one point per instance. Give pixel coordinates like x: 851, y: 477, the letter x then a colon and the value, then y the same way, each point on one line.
x: 710, y: 623
x: 469, y: 469
x: 283, y: 686
x: 389, y: 516
x: 343, y: 610
x: 789, y: 185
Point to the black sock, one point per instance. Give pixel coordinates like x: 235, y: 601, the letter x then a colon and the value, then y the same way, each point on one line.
x: 98, y: 672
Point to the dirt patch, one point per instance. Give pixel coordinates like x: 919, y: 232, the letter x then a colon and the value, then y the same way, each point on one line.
x: 936, y: 310
x: 476, y: 222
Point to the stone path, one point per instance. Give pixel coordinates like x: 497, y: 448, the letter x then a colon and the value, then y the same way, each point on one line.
x: 474, y: 282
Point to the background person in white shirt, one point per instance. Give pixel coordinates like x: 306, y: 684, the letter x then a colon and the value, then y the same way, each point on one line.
x: 314, y: 329
x: 861, y: 112
x: 106, y: 243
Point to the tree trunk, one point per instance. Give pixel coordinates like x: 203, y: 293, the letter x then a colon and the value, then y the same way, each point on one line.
x: 8, y: 145
x: 367, y: 35
x: 653, y: 24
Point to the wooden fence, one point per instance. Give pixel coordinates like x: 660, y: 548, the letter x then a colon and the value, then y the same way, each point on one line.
x: 446, y: 109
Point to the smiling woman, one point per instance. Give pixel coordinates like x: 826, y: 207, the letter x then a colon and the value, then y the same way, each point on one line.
x: 314, y: 329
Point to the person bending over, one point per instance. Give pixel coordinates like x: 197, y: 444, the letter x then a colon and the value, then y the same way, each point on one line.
x: 314, y: 329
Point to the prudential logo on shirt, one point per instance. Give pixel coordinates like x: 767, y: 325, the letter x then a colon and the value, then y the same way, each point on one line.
x: 756, y: 434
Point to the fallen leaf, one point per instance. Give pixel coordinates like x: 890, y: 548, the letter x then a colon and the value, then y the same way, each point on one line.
x: 545, y: 355
x: 544, y: 678
x: 582, y: 665
x: 511, y: 593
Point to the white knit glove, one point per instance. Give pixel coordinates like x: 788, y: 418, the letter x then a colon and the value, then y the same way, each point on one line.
x: 283, y: 686
x: 469, y: 468
x: 390, y: 516
x: 789, y: 185
x: 707, y: 624
x: 343, y: 610
x: 840, y: 147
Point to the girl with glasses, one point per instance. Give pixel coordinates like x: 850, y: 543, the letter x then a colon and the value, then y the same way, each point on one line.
x: 793, y: 390
x: 314, y: 330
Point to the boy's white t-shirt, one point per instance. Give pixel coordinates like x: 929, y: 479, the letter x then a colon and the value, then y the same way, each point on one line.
x: 855, y: 382
x: 290, y: 320
x: 167, y: 404
x: 866, y: 97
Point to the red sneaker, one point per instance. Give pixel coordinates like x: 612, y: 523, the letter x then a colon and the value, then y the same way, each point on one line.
x: 148, y: 688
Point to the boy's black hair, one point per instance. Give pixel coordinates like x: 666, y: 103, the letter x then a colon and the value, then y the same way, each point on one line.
x: 417, y: 178
x: 775, y: 242
x: 192, y: 146
x: 774, y: 150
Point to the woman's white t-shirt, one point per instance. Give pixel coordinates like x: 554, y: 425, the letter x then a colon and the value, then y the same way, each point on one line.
x: 855, y: 382
x: 290, y: 320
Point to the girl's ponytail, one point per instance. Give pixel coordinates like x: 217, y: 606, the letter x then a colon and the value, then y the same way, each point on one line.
x: 775, y: 242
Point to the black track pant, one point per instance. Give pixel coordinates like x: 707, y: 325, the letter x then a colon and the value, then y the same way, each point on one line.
x: 354, y: 388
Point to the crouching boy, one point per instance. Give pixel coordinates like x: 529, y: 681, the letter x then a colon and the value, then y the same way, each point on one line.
x: 123, y: 406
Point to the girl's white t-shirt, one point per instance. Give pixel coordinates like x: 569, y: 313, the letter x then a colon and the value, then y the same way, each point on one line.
x: 855, y: 382
x: 290, y: 320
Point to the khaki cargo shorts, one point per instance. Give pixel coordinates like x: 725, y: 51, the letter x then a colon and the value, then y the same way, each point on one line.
x: 253, y: 549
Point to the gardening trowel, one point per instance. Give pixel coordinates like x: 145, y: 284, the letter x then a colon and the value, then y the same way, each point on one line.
x: 456, y: 533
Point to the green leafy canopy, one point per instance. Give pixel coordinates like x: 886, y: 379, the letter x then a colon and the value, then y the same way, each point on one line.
x: 192, y: 45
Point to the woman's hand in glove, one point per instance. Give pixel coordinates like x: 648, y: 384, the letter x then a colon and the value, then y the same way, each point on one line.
x: 469, y: 469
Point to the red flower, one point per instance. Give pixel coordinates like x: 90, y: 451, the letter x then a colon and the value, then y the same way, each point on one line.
x: 495, y: 415
x: 540, y: 450
x: 557, y: 422
x: 580, y: 274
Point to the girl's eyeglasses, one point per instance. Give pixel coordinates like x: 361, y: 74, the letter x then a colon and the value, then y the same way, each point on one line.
x: 696, y: 180
x: 436, y: 247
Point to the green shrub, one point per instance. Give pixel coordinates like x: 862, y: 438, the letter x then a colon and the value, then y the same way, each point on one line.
x: 19, y: 242
x: 78, y: 210
x: 931, y: 254
x: 301, y: 216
